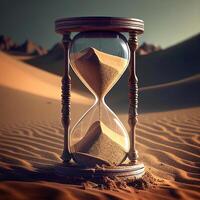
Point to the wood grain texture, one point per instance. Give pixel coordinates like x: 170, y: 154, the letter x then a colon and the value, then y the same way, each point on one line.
x: 66, y: 94
x: 133, y: 97
x: 79, y: 24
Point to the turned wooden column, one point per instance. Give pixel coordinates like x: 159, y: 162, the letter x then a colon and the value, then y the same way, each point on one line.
x: 133, y: 97
x: 66, y: 92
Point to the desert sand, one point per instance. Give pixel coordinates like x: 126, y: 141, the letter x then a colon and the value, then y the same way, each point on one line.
x: 18, y: 75
x: 31, y: 142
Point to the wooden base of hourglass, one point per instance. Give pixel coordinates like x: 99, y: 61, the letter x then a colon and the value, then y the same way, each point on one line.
x: 124, y: 171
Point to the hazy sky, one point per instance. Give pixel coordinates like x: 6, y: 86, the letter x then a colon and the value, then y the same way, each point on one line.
x: 166, y: 21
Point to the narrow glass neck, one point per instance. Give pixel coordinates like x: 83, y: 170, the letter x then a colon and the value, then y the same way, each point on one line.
x: 99, y: 99
x: 99, y: 102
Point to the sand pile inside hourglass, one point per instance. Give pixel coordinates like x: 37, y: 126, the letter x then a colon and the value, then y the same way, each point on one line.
x: 100, y: 146
x: 98, y: 71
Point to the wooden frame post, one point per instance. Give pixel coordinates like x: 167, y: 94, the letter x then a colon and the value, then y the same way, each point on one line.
x: 133, y: 97
x: 66, y: 93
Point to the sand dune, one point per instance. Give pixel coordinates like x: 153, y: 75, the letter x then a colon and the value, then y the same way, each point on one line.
x: 20, y: 56
x: 171, y: 64
x: 28, y: 190
x: 30, y: 148
x: 52, y: 62
x: 18, y: 75
x: 194, y: 78
x: 175, y: 95
x: 168, y: 96
x: 31, y: 140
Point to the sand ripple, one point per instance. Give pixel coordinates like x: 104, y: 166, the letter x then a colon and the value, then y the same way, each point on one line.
x: 168, y: 144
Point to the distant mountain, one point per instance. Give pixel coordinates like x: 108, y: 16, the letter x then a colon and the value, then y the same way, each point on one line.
x: 6, y: 43
x: 177, y: 62
x: 179, y: 94
x: 146, y: 49
x: 52, y: 62
x: 28, y: 47
x: 56, y: 52
x: 56, y: 56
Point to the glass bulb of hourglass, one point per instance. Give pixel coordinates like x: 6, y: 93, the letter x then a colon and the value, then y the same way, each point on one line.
x: 99, y: 59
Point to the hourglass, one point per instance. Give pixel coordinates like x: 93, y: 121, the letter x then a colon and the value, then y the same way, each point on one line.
x: 99, y: 54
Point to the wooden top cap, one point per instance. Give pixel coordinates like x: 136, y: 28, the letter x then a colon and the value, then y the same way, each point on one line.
x: 79, y: 24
